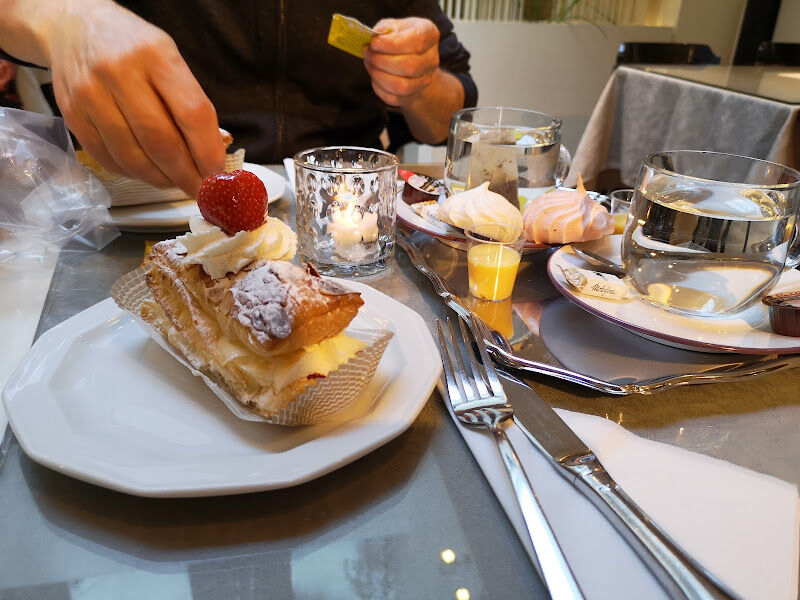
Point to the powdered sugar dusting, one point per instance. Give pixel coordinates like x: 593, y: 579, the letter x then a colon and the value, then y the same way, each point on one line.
x: 261, y: 302
x: 268, y: 299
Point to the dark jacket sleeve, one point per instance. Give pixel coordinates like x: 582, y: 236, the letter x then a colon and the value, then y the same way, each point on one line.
x: 453, y: 57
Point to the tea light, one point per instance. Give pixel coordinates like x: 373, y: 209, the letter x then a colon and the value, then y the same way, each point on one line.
x: 348, y: 226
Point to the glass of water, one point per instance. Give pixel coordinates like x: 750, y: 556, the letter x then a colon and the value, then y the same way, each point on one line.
x: 517, y: 151
x: 710, y: 233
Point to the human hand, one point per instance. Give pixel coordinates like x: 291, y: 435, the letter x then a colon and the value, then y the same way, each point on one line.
x: 131, y: 100
x: 403, y: 62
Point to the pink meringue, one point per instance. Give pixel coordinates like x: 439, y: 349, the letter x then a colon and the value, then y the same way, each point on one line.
x: 563, y: 216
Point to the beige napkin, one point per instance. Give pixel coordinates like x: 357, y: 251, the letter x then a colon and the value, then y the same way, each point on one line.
x: 739, y: 524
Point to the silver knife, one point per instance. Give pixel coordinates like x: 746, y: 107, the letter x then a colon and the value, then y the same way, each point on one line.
x: 682, y: 577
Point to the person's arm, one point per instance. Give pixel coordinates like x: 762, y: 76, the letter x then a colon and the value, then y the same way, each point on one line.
x: 405, y: 72
x: 122, y: 86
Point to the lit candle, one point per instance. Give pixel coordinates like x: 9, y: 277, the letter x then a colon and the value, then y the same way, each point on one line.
x: 348, y: 227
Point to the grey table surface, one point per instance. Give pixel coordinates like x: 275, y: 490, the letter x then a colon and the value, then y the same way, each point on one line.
x: 376, y: 528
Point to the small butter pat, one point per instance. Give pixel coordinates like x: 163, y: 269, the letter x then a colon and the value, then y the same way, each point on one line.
x: 594, y: 283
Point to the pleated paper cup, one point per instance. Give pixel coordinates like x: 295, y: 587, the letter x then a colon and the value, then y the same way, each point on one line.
x: 322, y: 399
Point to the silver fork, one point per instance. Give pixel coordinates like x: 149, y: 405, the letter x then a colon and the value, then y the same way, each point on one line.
x: 477, y: 399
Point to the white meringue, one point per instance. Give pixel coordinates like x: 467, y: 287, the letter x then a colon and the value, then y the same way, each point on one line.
x: 479, y: 206
x: 564, y: 216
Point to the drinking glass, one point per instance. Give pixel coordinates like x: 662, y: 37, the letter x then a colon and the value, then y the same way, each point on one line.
x: 491, y: 264
x: 710, y: 232
x: 621, y: 207
x: 346, y: 203
x: 518, y: 151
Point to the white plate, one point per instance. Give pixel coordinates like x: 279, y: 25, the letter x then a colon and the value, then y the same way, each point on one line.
x: 747, y: 333
x: 98, y: 400
x: 174, y: 216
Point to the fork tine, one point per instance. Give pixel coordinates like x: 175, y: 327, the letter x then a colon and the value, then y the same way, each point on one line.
x: 488, y: 365
x: 477, y: 374
x: 455, y: 393
x: 461, y: 368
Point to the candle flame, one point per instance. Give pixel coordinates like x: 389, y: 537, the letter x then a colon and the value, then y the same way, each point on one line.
x: 348, y: 213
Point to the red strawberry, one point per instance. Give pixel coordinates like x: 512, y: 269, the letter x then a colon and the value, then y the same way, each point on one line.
x: 235, y: 201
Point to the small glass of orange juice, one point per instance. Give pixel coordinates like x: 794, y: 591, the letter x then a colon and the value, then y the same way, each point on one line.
x: 493, y: 255
x: 621, y: 208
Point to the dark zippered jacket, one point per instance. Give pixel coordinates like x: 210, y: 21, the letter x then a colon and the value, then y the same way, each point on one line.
x: 277, y: 85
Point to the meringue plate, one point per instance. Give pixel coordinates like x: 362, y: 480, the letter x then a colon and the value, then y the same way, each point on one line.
x: 746, y: 332
x: 453, y: 236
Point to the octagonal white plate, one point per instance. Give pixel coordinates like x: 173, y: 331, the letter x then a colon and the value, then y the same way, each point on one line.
x: 747, y: 332
x: 97, y: 399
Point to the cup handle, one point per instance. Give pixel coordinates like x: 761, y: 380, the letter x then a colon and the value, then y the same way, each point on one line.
x: 562, y: 168
x: 793, y: 255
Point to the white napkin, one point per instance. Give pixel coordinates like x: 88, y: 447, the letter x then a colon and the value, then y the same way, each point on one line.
x: 22, y: 296
x: 741, y: 525
x: 288, y: 164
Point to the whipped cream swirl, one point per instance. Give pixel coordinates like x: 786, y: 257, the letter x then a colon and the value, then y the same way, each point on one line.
x: 479, y: 206
x: 219, y: 253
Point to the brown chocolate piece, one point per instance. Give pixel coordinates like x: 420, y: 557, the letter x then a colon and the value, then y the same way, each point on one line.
x: 420, y: 188
x: 784, y: 313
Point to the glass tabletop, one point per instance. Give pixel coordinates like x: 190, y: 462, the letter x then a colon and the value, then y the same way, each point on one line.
x: 771, y: 82
x: 413, y: 519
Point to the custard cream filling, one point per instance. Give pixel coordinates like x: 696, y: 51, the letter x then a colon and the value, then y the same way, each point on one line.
x: 318, y: 359
x: 280, y: 370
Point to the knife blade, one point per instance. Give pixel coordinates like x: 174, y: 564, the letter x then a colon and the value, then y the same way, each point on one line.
x: 680, y: 575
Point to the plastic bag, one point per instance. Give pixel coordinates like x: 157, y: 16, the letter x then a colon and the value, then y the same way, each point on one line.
x: 47, y: 197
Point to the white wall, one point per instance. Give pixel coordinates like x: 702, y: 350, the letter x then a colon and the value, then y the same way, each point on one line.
x: 561, y: 68
x: 712, y: 22
x: 787, y: 29
x: 556, y: 68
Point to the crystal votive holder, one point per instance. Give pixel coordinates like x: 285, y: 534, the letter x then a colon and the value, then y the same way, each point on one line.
x: 346, y: 202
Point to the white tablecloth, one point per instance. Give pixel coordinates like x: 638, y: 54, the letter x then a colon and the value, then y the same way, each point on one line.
x: 639, y: 113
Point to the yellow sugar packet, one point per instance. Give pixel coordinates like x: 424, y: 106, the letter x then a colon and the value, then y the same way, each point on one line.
x: 350, y: 35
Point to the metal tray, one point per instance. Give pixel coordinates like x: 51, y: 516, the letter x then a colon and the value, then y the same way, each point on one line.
x: 539, y: 330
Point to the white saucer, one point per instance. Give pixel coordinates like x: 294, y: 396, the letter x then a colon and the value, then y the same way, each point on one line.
x: 747, y: 333
x: 97, y: 399
x: 174, y: 216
